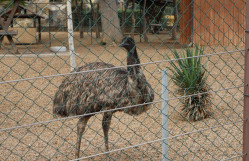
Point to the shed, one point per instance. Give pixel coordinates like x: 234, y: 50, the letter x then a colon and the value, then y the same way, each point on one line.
x: 212, y: 22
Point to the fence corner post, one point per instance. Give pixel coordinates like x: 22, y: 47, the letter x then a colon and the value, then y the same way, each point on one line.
x: 165, y: 130
x: 246, y: 91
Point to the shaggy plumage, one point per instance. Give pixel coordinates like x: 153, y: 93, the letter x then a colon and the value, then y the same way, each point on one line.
x: 90, y: 92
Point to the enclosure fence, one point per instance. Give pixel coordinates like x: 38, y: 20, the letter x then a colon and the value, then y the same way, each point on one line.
x: 124, y: 80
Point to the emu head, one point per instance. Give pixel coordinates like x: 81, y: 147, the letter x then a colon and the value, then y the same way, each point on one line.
x: 128, y: 43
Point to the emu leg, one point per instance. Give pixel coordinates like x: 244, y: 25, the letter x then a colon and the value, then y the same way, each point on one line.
x: 80, y: 129
x: 106, y: 122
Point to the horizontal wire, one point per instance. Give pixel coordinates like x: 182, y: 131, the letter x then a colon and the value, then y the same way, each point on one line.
x: 174, y: 98
x: 237, y: 156
x: 116, y: 109
x: 101, y: 69
x: 32, y: 55
x: 150, y: 142
x: 109, y: 78
x: 76, y: 116
x: 225, y: 89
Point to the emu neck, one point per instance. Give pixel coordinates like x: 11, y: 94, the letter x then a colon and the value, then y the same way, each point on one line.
x: 132, y: 59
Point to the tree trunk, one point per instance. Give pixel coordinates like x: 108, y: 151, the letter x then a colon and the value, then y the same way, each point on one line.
x: 97, y: 20
x: 124, y: 15
x: 144, y: 23
x: 133, y: 19
x: 81, y: 17
x: 175, y: 21
x: 111, y: 30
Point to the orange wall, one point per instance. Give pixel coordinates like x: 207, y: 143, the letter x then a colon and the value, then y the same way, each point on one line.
x: 185, y: 21
x: 214, y: 22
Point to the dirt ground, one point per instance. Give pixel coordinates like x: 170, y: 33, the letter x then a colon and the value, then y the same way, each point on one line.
x: 28, y: 102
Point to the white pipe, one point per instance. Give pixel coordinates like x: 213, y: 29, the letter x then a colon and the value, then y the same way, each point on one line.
x: 165, y: 130
x: 70, y: 35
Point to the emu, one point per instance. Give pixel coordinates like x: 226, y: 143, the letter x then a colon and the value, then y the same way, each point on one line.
x: 90, y: 92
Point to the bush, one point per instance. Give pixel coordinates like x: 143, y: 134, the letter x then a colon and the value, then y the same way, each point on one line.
x: 189, y: 75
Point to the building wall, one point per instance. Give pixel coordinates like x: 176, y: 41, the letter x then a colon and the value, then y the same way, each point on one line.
x: 215, y: 22
x: 185, y: 21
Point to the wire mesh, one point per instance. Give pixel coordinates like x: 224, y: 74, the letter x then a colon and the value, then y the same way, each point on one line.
x: 32, y: 75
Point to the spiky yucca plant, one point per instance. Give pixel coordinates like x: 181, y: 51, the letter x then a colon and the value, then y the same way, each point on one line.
x: 189, y: 75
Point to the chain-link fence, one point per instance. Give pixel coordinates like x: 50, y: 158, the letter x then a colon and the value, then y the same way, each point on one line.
x: 173, y: 90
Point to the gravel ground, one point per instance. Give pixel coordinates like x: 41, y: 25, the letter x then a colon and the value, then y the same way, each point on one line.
x: 28, y: 102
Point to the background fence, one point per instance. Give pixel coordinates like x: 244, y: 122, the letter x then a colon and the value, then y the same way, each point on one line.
x: 29, y: 80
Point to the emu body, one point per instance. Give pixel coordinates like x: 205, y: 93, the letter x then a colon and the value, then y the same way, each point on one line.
x: 90, y: 92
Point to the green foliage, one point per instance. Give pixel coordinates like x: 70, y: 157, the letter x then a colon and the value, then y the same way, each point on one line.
x: 189, y: 75
x: 128, y: 21
x: 86, y: 15
x: 10, y: 3
x: 102, y: 43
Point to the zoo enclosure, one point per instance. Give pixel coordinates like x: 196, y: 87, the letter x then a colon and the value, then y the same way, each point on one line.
x: 30, y: 80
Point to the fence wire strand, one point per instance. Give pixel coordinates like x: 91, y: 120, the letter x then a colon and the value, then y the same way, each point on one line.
x: 172, y: 137
x: 166, y: 77
x: 103, y: 69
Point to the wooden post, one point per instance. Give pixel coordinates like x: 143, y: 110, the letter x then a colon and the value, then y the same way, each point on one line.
x: 97, y: 18
x: 39, y: 28
x: 13, y: 45
x: 246, y: 90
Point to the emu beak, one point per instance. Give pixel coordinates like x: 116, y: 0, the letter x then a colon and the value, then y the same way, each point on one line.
x: 123, y: 44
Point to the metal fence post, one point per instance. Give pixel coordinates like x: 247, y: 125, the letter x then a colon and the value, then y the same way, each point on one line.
x: 70, y: 35
x: 165, y: 132
x: 246, y: 90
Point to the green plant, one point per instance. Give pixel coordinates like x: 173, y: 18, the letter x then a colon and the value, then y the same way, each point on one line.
x: 189, y: 75
x: 102, y: 43
x: 10, y: 3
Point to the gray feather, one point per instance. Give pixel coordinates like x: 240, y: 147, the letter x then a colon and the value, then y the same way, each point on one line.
x: 106, y: 89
